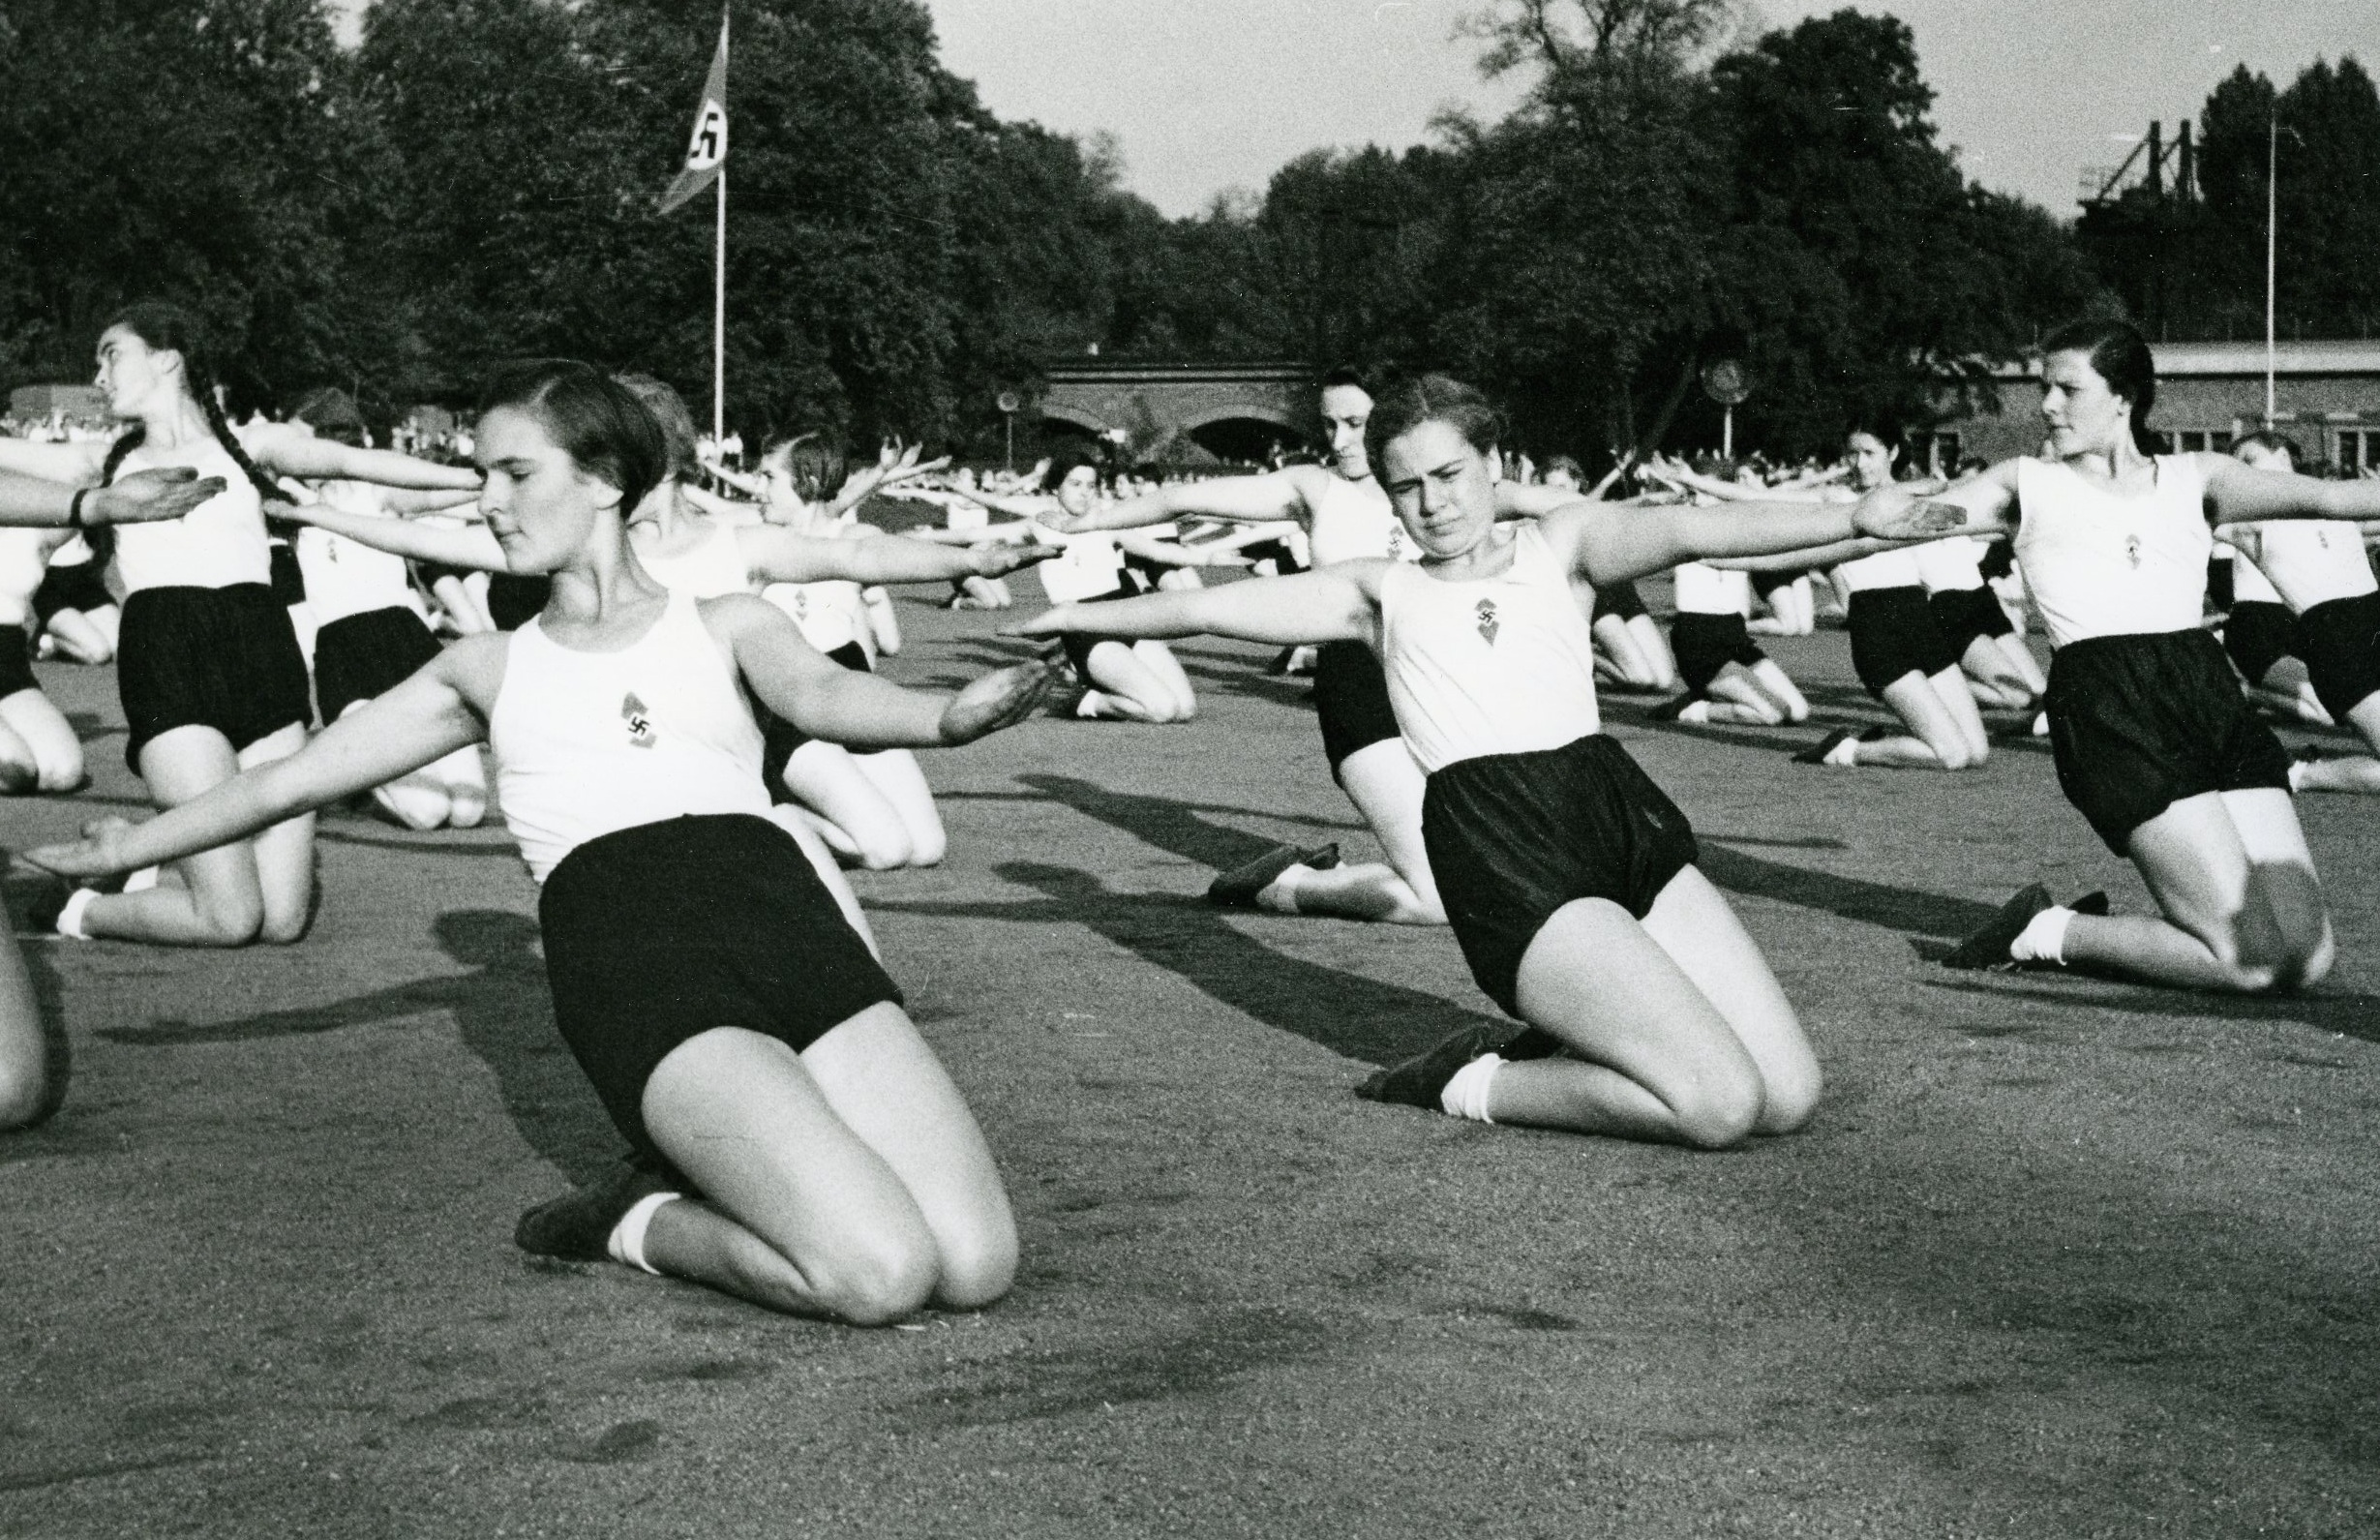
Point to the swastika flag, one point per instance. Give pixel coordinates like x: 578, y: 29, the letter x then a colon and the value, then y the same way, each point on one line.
x: 706, y: 150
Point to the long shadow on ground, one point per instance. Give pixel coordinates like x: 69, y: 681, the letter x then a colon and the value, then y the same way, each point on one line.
x: 2354, y: 1015
x: 506, y: 1017
x: 1345, y: 1012
x: 1170, y: 826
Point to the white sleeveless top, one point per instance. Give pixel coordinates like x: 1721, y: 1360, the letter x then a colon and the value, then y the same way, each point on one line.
x: 711, y: 566
x: 830, y: 614
x: 1354, y: 521
x: 215, y: 545
x: 1896, y: 568
x: 2099, y: 563
x: 2307, y: 561
x: 590, y: 744
x: 344, y: 578
x: 1089, y: 566
x: 1950, y: 563
x: 1704, y: 590
x: 1503, y: 665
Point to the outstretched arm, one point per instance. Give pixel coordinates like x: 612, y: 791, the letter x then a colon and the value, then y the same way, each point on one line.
x: 423, y: 719
x: 1339, y: 604
x: 141, y: 498
x: 779, y: 556
x: 2241, y: 493
x: 1242, y: 500
x: 471, y: 547
x: 285, y: 450
x: 862, y: 710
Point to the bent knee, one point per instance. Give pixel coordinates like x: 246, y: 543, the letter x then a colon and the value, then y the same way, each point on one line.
x: 1790, y: 1101
x: 976, y: 1275
x: 1720, y: 1117
x: 24, y: 1098
x: 880, y: 1286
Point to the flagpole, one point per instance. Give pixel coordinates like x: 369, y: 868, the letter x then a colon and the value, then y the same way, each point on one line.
x: 718, y: 322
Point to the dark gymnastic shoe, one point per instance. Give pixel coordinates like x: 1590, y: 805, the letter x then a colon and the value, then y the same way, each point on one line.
x: 1418, y: 1081
x: 577, y: 1226
x: 2093, y: 902
x: 1238, y: 888
x: 1988, y: 946
x: 1816, y: 753
x: 1533, y: 1043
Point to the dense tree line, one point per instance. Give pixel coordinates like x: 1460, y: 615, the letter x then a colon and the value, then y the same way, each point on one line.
x: 476, y: 179
x: 2194, y: 267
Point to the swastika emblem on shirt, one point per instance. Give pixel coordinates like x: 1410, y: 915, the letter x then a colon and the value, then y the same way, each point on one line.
x: 639, y: 718
x: 1487, y: 622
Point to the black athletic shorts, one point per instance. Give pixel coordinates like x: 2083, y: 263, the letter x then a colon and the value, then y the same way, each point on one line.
x: 1765, y: 584
x: 289, y: 578
x: 779, y: 737
x: 1706, y: 644
x: 2139, y: 723
x: 1513, y: 837
x: 1961, y: 615
x: 2259, y: 633
x: 1351, y: 699
x: 1893, y: 636
x: 78, y: 585
x: 1618, y: 599
x: 225, y: 658
x: 2340, y: 640
x: 1998, y: 559
x: 359, y: 656
x: 1284, y: 561
x: 658, y: 933
x: 15, y: 663
x: 2221, y: 583
x: 514, y: 598
x: 1077, y: 644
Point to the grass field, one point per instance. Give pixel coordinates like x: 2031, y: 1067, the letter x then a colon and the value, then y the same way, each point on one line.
x: 2057, y: 1259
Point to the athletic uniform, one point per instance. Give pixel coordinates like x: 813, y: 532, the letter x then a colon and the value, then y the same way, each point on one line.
x: 2320, y: 571
x: 1529, y: 806
x: 2260, y: 630
x: 1964, y: 608
x: 205, y: 642
x: 2143, y: 708
x: 1892, y: 629
x: 374, y: 634
x: 1354, y: 522
x: 1708, y: 633
x: 1089, y: 570
x: 76, y: 579
x: 669, y: 903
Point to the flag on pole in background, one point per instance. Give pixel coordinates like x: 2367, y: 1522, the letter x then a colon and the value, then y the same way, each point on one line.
x: 706, y: 150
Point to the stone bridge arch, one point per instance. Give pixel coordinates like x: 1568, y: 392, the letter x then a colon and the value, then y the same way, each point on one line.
x: 1158, y: 405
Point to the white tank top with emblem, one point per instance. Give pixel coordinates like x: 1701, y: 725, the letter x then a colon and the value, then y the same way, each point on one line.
x: 219, y: 543
x: 1501, y: 665
x: 830, y: 614
x: 2099, y: 562
x: 345, y: 577
x: 1352, y: 521
x: 712, y: 565
x: 590, y: 744
x: 2303, y: 562
x: 1896, y: 568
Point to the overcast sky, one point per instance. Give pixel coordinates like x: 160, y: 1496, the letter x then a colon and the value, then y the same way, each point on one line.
x: 1207, y: 95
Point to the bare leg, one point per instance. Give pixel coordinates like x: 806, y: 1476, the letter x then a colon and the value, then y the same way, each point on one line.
x: 1654, y: 1056
x: 1386, y: 786
x: 1779, y: 687
x: 1946, y: 733
x: 1735, y: 696
x: 1617, y: 646
x: 898, y: 777
x: 1158, y: 659
x: 850, y: 1181
x: 2243, y: 909
x: 30, y: 1086
x: 1654, y: 643
x: 2354, y: 772
x: 81, y: 637
x: 255, y: 890
x: 853, y: 817
x: 1122, y: 687
x: 47, y: 737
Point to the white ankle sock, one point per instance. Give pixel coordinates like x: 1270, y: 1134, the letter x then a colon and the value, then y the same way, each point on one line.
x: 1845, y: 752
x: 69, y: 918
x: 627, y: 1242
x: 1466, y: 1095
x: 2297, y: 774
x: 141, y: 880
x: 1695, y: 711
x: 2044, y: 939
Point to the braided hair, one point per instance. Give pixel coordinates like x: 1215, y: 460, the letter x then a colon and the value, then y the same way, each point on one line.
x: 168, y: 328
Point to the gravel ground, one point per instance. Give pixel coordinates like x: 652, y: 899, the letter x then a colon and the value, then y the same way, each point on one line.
x: 2060, y: 1258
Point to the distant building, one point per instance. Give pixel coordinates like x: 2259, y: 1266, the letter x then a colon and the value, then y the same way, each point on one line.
x: 2326, y: 396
